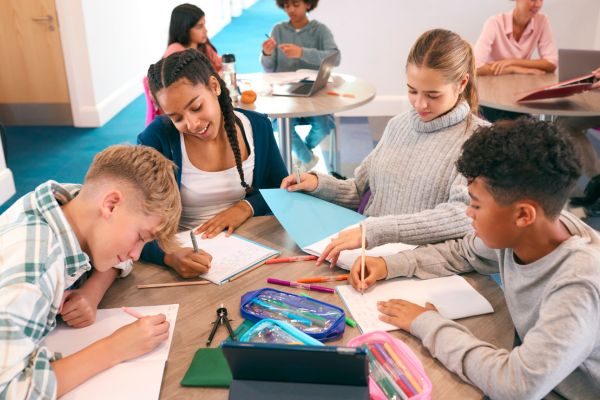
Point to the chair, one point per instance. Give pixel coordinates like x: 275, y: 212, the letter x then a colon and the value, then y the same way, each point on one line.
x: 151, y: 109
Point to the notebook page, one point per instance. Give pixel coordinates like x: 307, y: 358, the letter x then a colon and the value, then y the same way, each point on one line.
x: 137, y: 378
x: 453, y: 296
x: 347, y: 257
x: 230, y: 255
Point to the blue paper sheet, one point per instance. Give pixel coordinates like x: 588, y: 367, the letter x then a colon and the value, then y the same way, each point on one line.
x: 308, y: 219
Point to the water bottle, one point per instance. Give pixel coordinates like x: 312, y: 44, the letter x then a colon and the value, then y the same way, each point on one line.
x: 229, y: 76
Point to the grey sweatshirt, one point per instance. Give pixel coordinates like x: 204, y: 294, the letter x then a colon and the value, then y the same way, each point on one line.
x: 417, y: 195
x: 315, y: 39
x: 554, y: 303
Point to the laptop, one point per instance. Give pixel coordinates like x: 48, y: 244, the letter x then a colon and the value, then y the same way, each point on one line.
x: 306, y: 88
x: 573, y: 63
x: 265, y: 371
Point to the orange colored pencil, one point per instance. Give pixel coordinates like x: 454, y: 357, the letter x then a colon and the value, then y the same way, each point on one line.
x: 317, y: 279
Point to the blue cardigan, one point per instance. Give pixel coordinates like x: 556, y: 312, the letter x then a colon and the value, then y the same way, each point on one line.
x: 269, y: 169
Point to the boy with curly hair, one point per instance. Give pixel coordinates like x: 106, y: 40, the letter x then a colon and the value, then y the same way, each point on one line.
x: 520, y: 175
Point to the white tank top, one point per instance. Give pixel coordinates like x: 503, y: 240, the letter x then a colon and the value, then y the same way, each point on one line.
x: 205, y: 194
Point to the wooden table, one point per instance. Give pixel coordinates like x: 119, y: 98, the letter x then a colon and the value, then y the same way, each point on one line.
x: 284, y: 108
x: 198, y: 304
x: 501, y: 92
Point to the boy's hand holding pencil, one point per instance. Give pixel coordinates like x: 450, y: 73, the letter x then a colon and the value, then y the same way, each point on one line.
x: 268, y: 45
x: 139, y: 337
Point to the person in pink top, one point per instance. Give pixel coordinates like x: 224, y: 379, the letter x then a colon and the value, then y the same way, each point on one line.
x: 187, y: 29
x: 508, y: 41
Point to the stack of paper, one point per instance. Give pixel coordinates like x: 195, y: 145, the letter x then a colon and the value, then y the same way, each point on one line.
x: 139, y: 378
x: 453, y: 297
x: 230, y: 255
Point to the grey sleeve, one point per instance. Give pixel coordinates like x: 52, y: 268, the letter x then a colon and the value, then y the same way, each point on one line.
x: 563, y: 337
x: 445, y: 221
x: 327, y: 46
x: 444, y: 259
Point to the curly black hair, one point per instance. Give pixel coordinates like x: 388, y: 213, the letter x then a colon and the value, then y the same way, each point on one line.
x: 522, y: 159
x: 312, y: 4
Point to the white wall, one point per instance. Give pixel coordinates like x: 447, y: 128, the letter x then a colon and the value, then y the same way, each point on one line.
x: 375, y: 36
x: 109, y: 44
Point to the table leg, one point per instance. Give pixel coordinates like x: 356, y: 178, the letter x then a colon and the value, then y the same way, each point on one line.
x: 284, y: 126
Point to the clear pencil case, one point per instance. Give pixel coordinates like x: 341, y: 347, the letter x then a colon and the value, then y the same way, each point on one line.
x: 274, y: 331
x: 317, y: 319
x: 395, y: 372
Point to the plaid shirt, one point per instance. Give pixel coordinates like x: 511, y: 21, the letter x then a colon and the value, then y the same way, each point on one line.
x: 40, y: 257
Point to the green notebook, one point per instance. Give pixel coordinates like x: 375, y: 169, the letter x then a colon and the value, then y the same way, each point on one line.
x: 209, y: 367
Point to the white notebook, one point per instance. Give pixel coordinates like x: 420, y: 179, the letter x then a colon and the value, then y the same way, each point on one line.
x: 347, y: 257
x: 230, y: 255
x: 138, y: 378
x: 452, y: 295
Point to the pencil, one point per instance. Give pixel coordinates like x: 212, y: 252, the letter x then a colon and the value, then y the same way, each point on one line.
x: 132, y: 312
x: 362, y: 252
x: 172, y: 284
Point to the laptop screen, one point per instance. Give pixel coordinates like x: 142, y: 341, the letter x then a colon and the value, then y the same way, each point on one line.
x: 573, y: 63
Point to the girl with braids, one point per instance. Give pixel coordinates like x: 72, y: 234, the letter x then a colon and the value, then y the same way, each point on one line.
x: 223, y: 155
x: 417, y: 195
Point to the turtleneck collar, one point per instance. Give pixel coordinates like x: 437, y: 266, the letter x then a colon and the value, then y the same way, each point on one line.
x: 451, y: 118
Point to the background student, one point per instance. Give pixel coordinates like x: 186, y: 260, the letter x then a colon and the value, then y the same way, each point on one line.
x: 301, y: 44
x: 508, y: 41
x: 417, y: 195
x: 187, y: 30
x: 520, y: 175
x: 55, y: 234
x: 223, y: 156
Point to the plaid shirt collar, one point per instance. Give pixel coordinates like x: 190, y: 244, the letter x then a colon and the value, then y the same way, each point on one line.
x: 47, y: 199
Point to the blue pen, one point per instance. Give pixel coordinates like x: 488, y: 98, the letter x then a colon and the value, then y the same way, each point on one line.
x: 287, y: 314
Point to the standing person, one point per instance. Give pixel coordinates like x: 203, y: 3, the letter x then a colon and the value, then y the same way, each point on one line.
x: 223, y: 156
x: 508, y: 41
x: 301, y: 44
x: 55, y: 234
x: 520, y: 175
x: 187, y: 30
x: 417, y: 195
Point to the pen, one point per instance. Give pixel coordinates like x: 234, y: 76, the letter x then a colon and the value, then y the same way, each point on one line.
x: 287, y: 314
x: 349, y: 321
x: 363, y: 228
x: 317, y: 279
x: 267, y: 35
x: 132, y: 312
x: 300, y: 285
x: 297, y: 175
x: 290, y: 259
x: 194, y: 242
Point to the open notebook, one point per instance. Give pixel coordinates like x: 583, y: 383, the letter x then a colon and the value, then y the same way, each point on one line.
x: 313, y: 222
x: 139, y: 378
x: 230, y: 255
x: 452, y: 295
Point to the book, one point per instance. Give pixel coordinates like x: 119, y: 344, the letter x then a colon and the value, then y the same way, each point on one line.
x: 139, y: 378
x: 561, y: 89
x: 313, y: 222
x: 453, y: 297
x: 230, y: 255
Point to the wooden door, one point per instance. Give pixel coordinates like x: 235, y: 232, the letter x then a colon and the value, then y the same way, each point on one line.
x: 33, y: 84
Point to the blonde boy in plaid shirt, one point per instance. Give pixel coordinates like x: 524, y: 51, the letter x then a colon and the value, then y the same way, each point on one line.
x: 51, y: 237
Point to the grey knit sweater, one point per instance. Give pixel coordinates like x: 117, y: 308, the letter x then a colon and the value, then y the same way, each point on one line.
x: 417, y: 195
x: 554, y: 303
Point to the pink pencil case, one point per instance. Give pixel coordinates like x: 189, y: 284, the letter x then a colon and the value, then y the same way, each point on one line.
x: 393, y: 356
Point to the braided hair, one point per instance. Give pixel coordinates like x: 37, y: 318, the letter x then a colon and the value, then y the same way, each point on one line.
x: 194, y: 66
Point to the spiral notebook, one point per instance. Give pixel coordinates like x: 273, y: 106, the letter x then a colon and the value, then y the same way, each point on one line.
x: 230, y: 255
